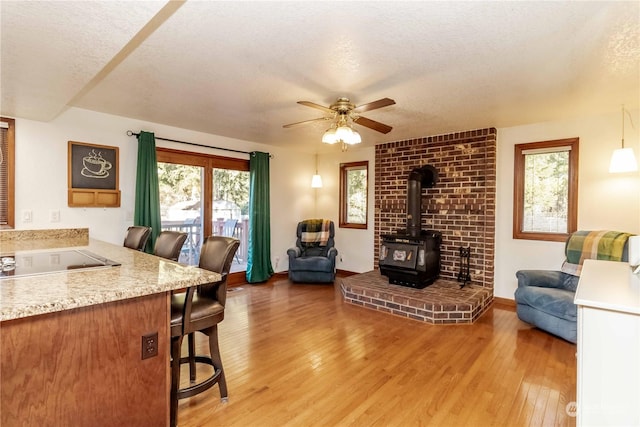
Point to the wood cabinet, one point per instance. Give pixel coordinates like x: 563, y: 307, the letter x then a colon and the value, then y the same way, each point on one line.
x: 608, y: 300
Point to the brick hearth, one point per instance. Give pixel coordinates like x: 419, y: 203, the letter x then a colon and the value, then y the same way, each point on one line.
x: 442, y: 302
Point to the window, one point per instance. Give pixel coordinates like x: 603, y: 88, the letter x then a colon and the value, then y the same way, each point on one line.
x: 7, y: 173
x: 353, y: 195
x: 546, y: 190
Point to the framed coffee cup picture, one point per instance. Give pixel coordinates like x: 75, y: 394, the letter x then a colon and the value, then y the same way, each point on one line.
x: 93, y: 178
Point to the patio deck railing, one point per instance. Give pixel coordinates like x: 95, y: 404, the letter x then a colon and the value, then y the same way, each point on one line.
x: 191, y: 249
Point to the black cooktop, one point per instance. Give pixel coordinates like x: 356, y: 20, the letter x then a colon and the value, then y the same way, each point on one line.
x: 32, y: 263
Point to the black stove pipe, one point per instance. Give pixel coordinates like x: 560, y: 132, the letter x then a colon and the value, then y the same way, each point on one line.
x: 422, y: 177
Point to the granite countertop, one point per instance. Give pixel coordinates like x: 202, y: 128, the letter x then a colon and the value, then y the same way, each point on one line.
x: 139, y: 274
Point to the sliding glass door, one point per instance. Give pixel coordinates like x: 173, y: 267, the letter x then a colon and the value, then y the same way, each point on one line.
x: 230, y: 201
x: 181, y: 206
x: 204, y: 195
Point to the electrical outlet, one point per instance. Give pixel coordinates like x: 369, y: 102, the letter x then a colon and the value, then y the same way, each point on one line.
x: 277, y: 261
x: 27, y: 216
x: 54, y: 216
x: 149, y: 345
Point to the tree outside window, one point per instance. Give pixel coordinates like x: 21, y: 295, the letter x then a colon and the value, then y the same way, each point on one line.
x: 353, y: 195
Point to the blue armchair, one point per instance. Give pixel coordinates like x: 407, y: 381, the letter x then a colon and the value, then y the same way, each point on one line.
x: 545, y: 298
x: 313, y: 259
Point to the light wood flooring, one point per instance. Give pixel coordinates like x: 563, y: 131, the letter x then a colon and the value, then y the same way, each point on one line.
x: 296, y: 355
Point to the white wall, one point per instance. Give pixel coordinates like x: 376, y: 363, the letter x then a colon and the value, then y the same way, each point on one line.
x: 355, y: 247
x: 41, y: 175
x: 605, y: 201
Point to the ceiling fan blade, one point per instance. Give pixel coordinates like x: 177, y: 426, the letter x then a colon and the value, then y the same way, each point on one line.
x: 306, y: 121
x: 384, y: 102
x: 372, y: 124
x: 318, y: 106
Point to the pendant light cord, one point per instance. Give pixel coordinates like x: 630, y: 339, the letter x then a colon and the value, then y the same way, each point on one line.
x: 630, y: 119
x: 622, y: 125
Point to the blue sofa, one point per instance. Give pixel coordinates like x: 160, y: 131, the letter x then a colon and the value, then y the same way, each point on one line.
x: 544, y: 298
x: 313, y: 259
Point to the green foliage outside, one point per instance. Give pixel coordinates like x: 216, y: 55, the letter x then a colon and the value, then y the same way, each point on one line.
x: 178, y: 183
x: 546, y: 192
x: 181, y: 183
x: 232, y: 186
x: 357, y: 196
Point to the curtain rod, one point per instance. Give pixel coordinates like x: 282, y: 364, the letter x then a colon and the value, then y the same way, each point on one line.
x: 131, y: 133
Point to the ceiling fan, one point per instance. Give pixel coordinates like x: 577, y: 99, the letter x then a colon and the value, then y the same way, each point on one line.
x: 342, y: 111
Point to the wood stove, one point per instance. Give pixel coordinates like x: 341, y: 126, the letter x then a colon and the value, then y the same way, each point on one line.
x: 411, y: 257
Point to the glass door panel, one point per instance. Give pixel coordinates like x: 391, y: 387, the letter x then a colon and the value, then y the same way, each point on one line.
x: 181, y: 205
x: 230, y: 206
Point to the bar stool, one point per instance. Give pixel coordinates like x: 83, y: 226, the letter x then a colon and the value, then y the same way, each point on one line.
x: 169, y: 244
x: 200, y: 309
x: 137, y: 237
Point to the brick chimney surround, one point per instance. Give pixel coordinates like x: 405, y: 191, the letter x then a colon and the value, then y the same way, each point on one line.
x: 461, y: 206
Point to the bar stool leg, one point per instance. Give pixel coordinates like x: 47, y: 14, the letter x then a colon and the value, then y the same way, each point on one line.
x: 192, y: 357
x: 214, y: 351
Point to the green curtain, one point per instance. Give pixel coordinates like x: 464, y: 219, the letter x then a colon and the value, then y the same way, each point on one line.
x: 147, y: 205
x: 259, y: 267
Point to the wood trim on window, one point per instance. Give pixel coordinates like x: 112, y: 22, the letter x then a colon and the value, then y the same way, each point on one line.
x: 518, y: 190
x: 170, y: 155
x: 344, y: 168
x: 8, y: 217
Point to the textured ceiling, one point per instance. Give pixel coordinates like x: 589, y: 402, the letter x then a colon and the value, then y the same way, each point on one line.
x: 237, y: 68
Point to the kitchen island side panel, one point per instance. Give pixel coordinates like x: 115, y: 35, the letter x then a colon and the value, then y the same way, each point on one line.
x: 84, y: 367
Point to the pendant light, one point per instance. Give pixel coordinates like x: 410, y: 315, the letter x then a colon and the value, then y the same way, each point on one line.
x: 623, y: 160
x: 316, y: 180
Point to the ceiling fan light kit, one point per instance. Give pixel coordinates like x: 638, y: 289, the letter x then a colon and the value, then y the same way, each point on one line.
x: 344, y: 114
x: 345, y: 134
x: 329, y: 136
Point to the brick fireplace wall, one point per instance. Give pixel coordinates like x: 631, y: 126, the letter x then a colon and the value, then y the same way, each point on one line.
x: 462, y: 205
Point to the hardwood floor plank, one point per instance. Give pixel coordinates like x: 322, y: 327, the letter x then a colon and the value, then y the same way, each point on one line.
x: 296, y: 355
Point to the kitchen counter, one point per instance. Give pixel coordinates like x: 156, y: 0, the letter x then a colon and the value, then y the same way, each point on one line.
x: 74, y: 344
x: 138, y: 275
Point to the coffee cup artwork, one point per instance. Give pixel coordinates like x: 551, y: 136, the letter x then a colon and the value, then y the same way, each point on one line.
x: 95, y: 166
x: 93, y: 175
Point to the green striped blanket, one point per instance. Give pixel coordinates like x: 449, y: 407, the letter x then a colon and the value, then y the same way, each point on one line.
x: 603, y: 245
